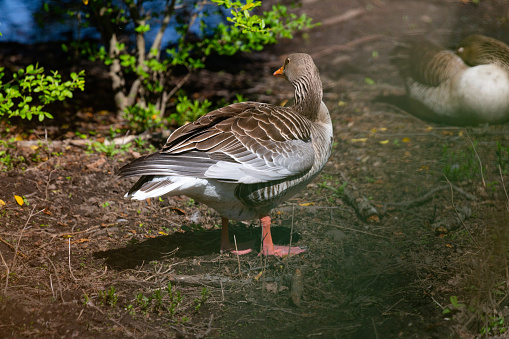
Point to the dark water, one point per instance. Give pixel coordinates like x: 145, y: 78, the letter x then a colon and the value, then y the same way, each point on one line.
x: 17, y: 23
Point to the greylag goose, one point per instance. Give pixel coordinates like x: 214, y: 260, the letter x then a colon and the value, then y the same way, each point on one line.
x: 244, y: 159
x: 467, y: 88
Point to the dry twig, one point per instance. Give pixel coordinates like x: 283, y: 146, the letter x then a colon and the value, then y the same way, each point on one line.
x: 7, y: 273
x: 12, y: 247
x: 209, y: 328
x: 58, y: 279
x: 457, y: 214
x: 478, y: 158
x: 70, y: 267
x: 21, y: 234
x: 47, y: 182
x: 503, y: 186
x: 237, y: 252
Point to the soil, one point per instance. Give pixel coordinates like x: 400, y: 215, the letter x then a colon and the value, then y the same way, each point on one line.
x: 77, y: 260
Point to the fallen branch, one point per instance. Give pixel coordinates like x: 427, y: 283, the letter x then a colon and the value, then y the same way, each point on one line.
x: 12, y: 247
x: 426, y: 197
x: 362, y: 206
x: 207, y: 279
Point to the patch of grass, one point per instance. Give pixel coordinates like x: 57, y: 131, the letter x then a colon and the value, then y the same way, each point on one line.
x: 330, y: 183
x: 460, y: 165
x: 7, y: 160
x: 204, y: 296
x: 494, y: 326
x: 109, y: 297
x: 160, y: 301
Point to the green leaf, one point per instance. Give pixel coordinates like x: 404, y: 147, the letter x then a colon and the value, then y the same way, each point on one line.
x: 142, y: 28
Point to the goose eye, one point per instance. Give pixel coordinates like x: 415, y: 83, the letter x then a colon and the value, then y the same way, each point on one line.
x: 287, y: 61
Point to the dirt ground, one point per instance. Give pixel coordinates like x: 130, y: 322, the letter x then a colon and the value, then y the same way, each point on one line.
x: 80, y: 261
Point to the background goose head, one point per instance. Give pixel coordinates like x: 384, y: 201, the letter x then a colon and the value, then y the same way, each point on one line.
x: 478, y: 49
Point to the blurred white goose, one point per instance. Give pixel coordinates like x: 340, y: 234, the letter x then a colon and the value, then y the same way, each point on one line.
x: 246, y: 158
x: 467, y: 88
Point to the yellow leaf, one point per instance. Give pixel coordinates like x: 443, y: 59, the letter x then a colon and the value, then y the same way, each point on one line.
x: 382, y: 129
x: 384, y: 142
x: 85, y: 2
x: 163, y: 233
x: 429, y: 128
x: 460, y: 133
x: 341, y: 103
x: 18, y: 138
x: 359, y: 140
x: 373, y: 130
x: 34, y: 147
x: 258, y: 276
x: 406, y: 139
x: 19, y: 200
x: 247, y: 6
x: 307, y: 204
x: 2, y: 203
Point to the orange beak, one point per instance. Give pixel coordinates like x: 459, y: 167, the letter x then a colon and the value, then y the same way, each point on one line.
x: 279, y: 72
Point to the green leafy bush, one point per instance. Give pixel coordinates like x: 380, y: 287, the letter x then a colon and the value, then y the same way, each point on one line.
x: 30, y: 90
x: 188, y: 110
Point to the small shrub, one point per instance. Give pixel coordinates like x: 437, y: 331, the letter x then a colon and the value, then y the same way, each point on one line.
x: 30, y: 90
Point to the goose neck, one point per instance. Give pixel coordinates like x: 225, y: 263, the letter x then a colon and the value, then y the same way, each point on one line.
x: 308, y: 96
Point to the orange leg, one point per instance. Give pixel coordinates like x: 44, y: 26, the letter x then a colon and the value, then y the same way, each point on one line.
x: 268, y: 247
x: 225, y: 241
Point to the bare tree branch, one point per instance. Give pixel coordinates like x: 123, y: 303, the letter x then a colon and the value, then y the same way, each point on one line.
x: 168, y: 12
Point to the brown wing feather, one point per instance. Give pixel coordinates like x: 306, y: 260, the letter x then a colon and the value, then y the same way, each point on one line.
x: 247, y: 123
x: 265, y: 138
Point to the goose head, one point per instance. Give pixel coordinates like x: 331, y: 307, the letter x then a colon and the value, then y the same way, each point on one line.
x: 300, y: 70
x: 478, y: 49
